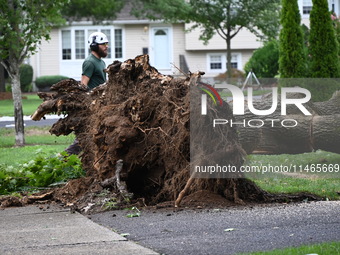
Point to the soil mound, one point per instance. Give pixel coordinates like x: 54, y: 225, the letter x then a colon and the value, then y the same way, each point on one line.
x: 135, y: 139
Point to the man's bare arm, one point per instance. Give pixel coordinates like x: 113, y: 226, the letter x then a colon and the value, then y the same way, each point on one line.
x: 84, y: 80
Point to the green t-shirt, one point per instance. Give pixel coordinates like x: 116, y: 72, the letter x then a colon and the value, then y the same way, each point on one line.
x: 94, y: 69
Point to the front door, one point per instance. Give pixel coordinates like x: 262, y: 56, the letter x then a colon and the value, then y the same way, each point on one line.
x: 160, y: 55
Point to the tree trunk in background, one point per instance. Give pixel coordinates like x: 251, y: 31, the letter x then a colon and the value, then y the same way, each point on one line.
x: 2, y: 79
x: 18, y: 111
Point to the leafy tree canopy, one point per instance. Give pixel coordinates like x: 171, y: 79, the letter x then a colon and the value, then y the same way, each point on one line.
x: 261, y: 17
x: 23, y: 24
x: 95, y: 10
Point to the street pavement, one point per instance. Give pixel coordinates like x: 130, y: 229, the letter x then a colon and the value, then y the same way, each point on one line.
x: 8, y: 122
x: 230, y: 230
x: 43, y: 230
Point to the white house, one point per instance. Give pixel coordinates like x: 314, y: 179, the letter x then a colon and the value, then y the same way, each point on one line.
x: 168, y: 45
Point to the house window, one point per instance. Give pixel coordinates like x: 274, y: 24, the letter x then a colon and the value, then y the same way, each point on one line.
x: 66, y: 44
x: 307, y: 6
x: 215, y: 62
x: 80, y: 44
x: 234, y: 61
x: 75, y: 45
x: 118, y: 43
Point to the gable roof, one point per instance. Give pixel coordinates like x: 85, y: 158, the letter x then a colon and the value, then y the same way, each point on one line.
x: 125, y: 13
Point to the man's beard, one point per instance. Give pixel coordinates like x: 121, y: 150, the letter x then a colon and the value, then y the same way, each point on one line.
x: 102, y: 53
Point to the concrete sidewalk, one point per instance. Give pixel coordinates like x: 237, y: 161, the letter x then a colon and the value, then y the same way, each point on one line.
x: 55, y: 230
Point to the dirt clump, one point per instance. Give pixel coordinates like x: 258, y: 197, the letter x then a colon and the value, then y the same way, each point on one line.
x: 134, y: 131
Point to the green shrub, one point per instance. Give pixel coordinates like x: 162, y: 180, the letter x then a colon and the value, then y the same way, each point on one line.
x: 8, y: 88
x: 26, y: 77
x: 44, y: 83
x: 265, y: 61
x: 292, y: 60
x: 323, y: 45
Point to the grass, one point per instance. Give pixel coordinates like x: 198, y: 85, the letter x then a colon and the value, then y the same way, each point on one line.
x: 330, y: 248
x: 29, y: 105
x: 326, y: 185
x: 33, y: 136
x: 326, y: 188
x: 37, y: 139
x: 298, y: 159
x: 25, y: 154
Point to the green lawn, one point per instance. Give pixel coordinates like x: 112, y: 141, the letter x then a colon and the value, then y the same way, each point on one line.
x: 33, y: 136
x: 37, y: 139
x: 331, y: 248
x: 327, y: 188
x: 325, y: 184
x: 29, y: 105
x: 15, y: 156
x: 298, y: 159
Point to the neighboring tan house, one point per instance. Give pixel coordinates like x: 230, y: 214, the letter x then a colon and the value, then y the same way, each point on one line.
x: 168, y: 46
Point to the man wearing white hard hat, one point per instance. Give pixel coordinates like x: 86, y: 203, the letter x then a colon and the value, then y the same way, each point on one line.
x: 93, y: 67
x: 92, y: 72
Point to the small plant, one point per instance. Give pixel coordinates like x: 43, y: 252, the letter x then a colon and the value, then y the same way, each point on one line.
x: 110, y: 204
x: 103, y: 193
x: 135, y: 212
x: 43, y: 171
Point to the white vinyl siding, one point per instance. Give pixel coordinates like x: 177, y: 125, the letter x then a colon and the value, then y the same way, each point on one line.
x: 244, y: 40
x: 136, y: 33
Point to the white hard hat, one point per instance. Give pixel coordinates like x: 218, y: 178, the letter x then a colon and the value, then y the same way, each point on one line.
x: 97, y: 38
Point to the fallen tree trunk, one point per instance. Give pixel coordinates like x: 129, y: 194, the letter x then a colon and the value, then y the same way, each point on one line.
x: 292, y: 133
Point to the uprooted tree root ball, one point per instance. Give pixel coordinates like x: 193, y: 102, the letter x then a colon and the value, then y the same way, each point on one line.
x: 134, y: 132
